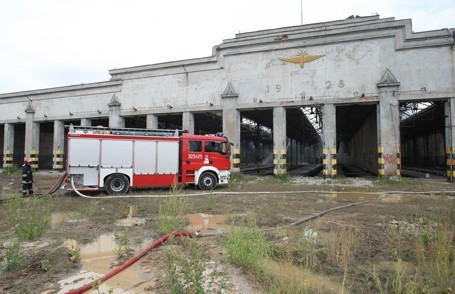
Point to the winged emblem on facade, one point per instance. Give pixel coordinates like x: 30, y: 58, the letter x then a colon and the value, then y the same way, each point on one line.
x: 302, y: 58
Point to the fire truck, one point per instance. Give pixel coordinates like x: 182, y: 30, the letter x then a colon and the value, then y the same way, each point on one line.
x: 115, y: 160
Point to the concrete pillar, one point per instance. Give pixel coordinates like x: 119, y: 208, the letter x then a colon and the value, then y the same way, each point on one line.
x: 188, y: 122
x: 329, y: 151
x: 32, y: 132
x: 231, y: 123
x: 152, y: 121
x: 389, y: 155
x: 8, y: 145
x: 59, y: 145
x: 115, y: 120
x: 279, y: 140
x: 449, y: 110
x: 85, y: 122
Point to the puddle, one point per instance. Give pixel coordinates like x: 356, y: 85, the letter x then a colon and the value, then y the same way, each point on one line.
x: 208, y: 223
x: 131, y: 221
x: 97, y: 259
x: 385, y: 198
x: 102, y: 247
x: 58, y: 218
x: 352, y: 197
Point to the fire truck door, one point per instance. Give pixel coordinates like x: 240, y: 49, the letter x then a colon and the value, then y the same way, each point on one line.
x: 192, y: 160
x: 216, y: 153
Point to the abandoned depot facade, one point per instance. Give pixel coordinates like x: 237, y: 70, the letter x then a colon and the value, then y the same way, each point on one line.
x: 265, y: 81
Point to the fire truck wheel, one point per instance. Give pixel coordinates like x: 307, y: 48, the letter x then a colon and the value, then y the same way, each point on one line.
x: 117, y: 184
x: 207, y: 181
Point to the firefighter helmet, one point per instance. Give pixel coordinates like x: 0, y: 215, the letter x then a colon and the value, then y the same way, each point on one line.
x: 27, y: 160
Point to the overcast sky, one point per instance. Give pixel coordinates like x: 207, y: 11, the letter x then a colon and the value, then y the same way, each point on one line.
x: 52, y: 43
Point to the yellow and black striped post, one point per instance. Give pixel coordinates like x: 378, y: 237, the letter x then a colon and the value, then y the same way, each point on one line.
x: 58, y: 160
x: 236, y: 161
x: 34, y: 159
x: 279, y: 162
x: 381, y: 162
x: 325, y: 170
x: 334, y: 162
x: 450, y: 164
x: 398, y: 161
x: 7, y: 158
x: 283, y: 163
x: 275, y: 162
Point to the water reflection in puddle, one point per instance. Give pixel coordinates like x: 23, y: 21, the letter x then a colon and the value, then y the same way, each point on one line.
x: 58, y: 218
x: 98, y: 258
x: 208, y: 223
x: 385, y: 198
x: 130, y: 221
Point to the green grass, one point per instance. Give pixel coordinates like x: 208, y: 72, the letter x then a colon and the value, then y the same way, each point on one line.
x: 246, y: 244
x: 171, y: 215
x: 28, y: 216
x: 12, y: 170
x: 122, y: 242
x: 185, y: 269
x: 11, y: 257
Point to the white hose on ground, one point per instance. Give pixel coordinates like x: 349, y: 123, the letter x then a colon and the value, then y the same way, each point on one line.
x: 216, y: 193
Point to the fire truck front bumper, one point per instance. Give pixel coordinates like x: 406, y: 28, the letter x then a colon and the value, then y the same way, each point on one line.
x: 224, y: 177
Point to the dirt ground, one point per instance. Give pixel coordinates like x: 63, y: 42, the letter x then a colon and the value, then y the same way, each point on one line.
x: 385, y: 229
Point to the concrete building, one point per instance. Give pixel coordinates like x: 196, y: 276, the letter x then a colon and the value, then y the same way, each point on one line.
x: 349, y: 92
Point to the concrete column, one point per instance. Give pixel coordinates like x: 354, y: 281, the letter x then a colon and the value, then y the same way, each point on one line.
x: 188, y: 122
x: 231, y: 123
x: 115, y: 120
x: 32, y: 132
x: 85, y: 122
x: 8, y: 145
x: 152, y: 121
x: 389, y: 155
x: 449, y: 110
x: 329, y: 151
x: 59, y: 145
x: 279, y: 140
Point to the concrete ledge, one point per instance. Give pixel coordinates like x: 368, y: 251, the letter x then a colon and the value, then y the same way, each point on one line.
x: 60, y: 90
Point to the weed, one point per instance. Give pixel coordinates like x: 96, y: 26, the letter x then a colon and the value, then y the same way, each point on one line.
x: 236, y: 177
x: 339, y: 181
x: 74, y: 254
x: 171, y: 214
x: 12, y: 170
x: 29, y: 216
x: 391, y: 181
x: 282, y: 202
x: 93, y: 209
x: 284, y: 178
x: 341, y: 250
x: 436, y: 259
x: 210, y: 202
x: 122, y: 242
x: 45, y: 266
x: 11, y: 257
x: 306, y: 249
x: 246, y: 244
x: 185, y: 270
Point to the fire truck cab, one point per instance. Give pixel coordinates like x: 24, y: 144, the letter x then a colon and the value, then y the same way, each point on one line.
x: 116, y: 160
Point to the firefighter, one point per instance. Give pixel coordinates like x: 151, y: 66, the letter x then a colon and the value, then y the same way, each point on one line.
x: 27, y: 178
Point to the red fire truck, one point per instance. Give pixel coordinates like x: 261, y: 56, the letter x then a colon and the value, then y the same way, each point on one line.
x: 114, y: 160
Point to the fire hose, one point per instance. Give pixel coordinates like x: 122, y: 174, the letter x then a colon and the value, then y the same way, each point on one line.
x: 132, y: 260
